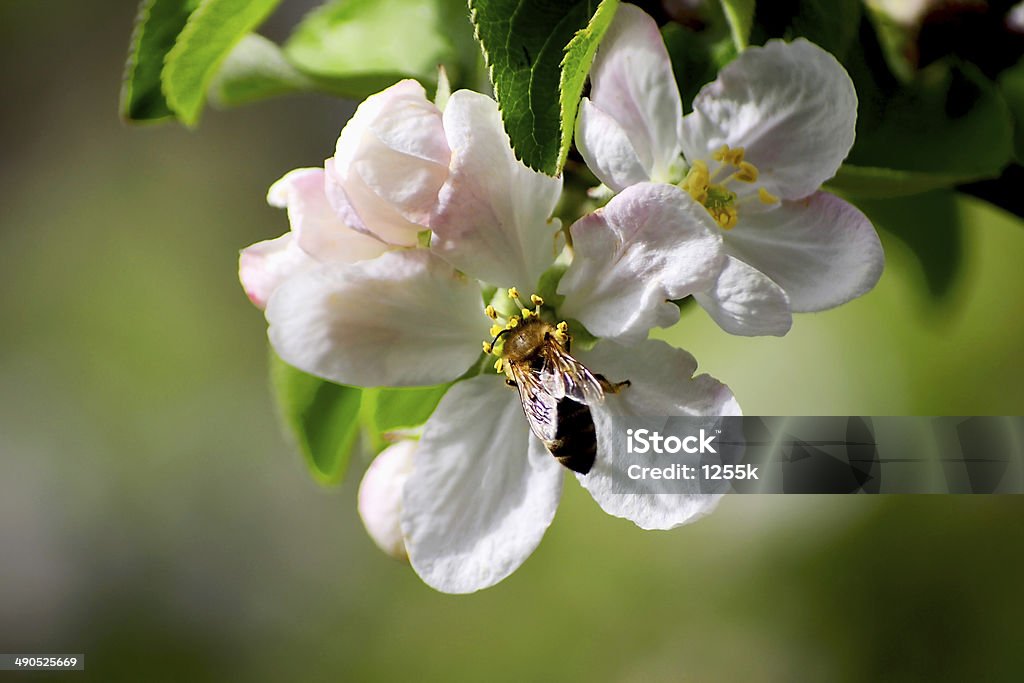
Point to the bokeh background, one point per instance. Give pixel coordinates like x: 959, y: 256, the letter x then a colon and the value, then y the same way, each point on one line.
x: 154, y: 517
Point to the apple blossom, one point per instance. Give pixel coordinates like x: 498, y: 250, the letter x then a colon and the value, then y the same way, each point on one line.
x: 762, y: 138
x: 390, y: 162
x: 484, y: 489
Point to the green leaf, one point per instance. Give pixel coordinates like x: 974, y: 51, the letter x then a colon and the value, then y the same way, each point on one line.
x: 740, y: 15
x: 698, y: 55
x: 323, y: 417
x: 254, y: 70
x: 210, y: 33
x: 405, y: 408
x: 157, y: 27
x: 579, y: 55
x: 387, y: 409
x: 524, y: 44
x: 950, y: 126
x: 881, y: 183
x: 358, y: 47
x: 831, y: 24
x: 930, y: 225
x: 1011, y: 84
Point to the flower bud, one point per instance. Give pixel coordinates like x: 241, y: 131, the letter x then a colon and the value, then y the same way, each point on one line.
x: 391, y: 161
x: 380, y: 497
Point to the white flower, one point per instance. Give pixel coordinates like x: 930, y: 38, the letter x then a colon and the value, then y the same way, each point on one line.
x: 762, y: 138
x: 483, y: 488
x: 377, y: 191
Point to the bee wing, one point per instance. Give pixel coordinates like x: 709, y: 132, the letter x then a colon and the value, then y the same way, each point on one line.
x: 540, y: 406
x: 563, y: 375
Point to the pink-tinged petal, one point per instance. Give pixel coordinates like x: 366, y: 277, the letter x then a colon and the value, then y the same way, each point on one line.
x: 746, y: 302
x: 791, y: 106
x: 492, y: 220
x: 265, y: 265
x: 367, y: 212
x: 391, y: 160
x: 380, y: 497
x: 821, y: 250
x: 661, y: 385
x: 483, y: 490
x: 319, y: 229
x: 607, y: 149
x: 632, y: 82
x: 649, y: 245
x: 402, y: 319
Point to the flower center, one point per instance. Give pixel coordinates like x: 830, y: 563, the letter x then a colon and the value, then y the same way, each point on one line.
x: 504, y: 324
x: 714, y: 195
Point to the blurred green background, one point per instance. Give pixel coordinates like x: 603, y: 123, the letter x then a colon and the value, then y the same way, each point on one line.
x: 153, y: 517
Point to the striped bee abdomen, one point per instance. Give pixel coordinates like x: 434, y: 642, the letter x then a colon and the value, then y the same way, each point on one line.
x: 575, y: 442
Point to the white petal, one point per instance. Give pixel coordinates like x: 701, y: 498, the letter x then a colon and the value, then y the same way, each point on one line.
x: 483, y: 490
x: 607, y: 149
x: 650, y: 244
x: 632, y: 82
x: 822, y: 250
x: 745, y: 301
x: 492, y: 220
x: 380, y: 497
x: 791, y: 106
x: 265, y: 265
x: 402, y: 319
x: 390, y: 162
x: 319, y: 229
x: 661, y: 384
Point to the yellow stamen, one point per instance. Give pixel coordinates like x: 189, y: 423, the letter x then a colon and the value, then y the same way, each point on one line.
x: 721, y: 154
x: 487, y: 347
x: 496, y: 329
x: 536, y: 300
x: 499, y: 364
x: 513, y: 293
x: 747, y: 173
x: 765, y: 196
x: 562, y: 326
x: 527, y: 313
x: 513, y: 323
x: 491, y: 313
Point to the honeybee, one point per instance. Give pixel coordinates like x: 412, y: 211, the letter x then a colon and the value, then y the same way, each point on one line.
x: 556, y: 390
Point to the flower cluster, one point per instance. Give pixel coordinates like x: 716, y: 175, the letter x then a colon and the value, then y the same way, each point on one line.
x: 423, y: 246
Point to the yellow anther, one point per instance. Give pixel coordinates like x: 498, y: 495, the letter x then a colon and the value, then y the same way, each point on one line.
x: 562, y: 327
x: 487, y: 347
x: 527, y: 313
x: 491, y: 313
x: 747, y: 172
x: 513, y: 293
x: 727, y: 155
x: 537, y: 301
x: 496, y: 329
x: 499, y: 364
x: 513, y: 323
x: 765, y: 196
x: 726, y: 218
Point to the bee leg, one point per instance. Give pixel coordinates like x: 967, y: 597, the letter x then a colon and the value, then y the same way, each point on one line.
x: 612, y: 387
x: 510, y: 382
